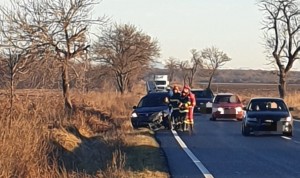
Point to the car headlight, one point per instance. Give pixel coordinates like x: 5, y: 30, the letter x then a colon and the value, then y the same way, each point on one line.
x: 134, y: 114
x: 220, y: 109
x: 238, y: 109
x: 253, y: 119
x: 289, y: 118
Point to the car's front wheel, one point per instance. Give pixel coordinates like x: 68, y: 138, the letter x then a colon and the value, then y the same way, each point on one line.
x: 288, y: 134
x: 245, y: 130
x: 213, y: 118
x: 135, y: 126
x: 239, y: 119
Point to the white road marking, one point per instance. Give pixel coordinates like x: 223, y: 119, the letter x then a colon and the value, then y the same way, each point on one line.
x: 197, y: 162
x: 287, y: 138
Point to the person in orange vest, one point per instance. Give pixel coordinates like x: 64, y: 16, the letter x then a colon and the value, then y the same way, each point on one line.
x: 192, y: 99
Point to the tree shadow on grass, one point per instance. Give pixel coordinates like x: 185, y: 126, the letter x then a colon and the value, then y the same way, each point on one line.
x: 91, y: 111
x: 144, y: 157
x: 76, y: 153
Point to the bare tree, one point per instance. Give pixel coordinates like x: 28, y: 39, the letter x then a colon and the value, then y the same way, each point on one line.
x: 282, y: 35
x: 14, y: 63
x: 126, y: 51
x: 184, y: 67
x: 213, y: 60
x: 172, y: 65
x: 195, y: 63
x: 57, y: 28
x: 189, y: 68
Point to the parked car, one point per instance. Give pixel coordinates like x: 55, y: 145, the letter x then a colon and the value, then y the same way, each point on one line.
x: 152, y: 111
x: 204, y: 98
x: 227, y: 106
x: 267, y: 114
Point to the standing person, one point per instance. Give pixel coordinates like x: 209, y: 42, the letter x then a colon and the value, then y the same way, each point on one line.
x: 184, y: 109
x: 174, y: 105
x: 192, y: 99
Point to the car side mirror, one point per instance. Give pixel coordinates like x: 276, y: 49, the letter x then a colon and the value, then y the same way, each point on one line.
x: 134, y: 107
x: 291, y: 109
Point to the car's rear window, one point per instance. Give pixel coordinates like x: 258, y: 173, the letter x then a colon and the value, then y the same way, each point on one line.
x: 227, y: 99
x: 152, y: 101
x: 203, y: 94
x: 265, y: 105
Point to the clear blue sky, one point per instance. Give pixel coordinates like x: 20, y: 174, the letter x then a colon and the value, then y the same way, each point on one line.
x: 233, y: 26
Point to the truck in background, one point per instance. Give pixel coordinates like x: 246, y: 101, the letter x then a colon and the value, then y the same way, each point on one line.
x: 161, y: 82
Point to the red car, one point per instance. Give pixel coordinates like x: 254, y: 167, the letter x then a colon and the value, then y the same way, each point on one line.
x: 227, y: 106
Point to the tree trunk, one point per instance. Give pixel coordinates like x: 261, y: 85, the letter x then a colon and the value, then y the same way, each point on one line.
x: 210, y: 79
x: 11, y: 99
x: 121, y: 82
x: 184, y: 80
x: 282, y: 84
x: 190, y: 80
x: 66, y: 88
x: 171, y: 76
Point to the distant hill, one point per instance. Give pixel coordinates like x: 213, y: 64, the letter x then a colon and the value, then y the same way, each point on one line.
x: 235, y: 76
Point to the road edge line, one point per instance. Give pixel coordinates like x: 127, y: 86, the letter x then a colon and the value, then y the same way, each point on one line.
x: 195, y: 160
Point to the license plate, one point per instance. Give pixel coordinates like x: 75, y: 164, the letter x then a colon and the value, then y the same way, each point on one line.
x: 229, y: 111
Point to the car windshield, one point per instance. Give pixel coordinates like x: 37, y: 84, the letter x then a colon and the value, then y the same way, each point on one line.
x: 227, y: 99
x: 267, y: 105
x: 160, y: 82
x: 152, y: 101
x: 202, y: 94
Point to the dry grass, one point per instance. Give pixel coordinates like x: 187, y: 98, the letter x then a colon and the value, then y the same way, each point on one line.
x: 248, y: 91
x: 39, y: 141
x: 97, y: 141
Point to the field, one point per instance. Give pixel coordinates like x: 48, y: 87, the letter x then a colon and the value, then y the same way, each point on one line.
x: 97, y: 140
x: 247, y: 91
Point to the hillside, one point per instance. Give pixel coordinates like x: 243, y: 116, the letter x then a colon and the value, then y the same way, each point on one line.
x: 234, y: 76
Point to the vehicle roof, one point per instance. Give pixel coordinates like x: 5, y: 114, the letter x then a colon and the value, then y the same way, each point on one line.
x: 197, y: 89
x: 157, y: 93
x: 266, y: 98
x: 225, y: 94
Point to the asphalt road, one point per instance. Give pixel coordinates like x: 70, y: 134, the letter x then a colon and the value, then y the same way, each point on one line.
x: 220, y: 148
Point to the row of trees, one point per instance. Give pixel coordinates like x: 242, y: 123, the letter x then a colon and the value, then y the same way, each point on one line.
x: 49, y: 41
x: 46, y: 39
x: 204, y: 63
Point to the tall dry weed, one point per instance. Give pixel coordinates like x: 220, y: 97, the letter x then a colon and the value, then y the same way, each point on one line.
x: 41, y: 141
x: 25, y: 146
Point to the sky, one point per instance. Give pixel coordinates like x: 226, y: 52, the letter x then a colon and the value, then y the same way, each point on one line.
x: 233, y: 26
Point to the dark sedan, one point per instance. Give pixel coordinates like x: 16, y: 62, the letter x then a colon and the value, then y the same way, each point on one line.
x: 267, y: 114
x: 204, y: 98
x: 152, y: 111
